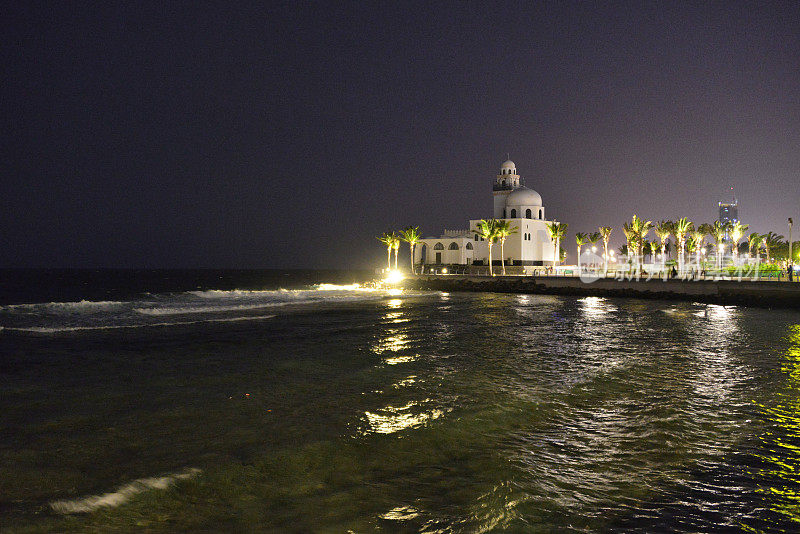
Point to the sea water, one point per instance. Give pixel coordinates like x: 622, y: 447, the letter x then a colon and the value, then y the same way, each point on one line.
x: 305, y: 405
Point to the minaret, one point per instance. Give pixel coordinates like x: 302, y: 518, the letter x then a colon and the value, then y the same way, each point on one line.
x: 504, y: 183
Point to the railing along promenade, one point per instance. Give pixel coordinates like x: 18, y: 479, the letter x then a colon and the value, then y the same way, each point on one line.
x: 743, y: 274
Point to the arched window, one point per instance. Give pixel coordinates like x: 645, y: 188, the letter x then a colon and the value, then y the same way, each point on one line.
x: 540, y: 214
x: 504, y: 213
x: 453, y: 246
x: 438, y: 246
x: 469, y: 246
x: 513, y: 214
x: 476, y: 237
x: 528, y: 213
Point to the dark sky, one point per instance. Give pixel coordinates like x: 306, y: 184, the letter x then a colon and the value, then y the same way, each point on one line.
x: 290, y: 134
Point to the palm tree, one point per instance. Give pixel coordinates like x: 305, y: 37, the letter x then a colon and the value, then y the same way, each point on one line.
x: 771, y: 241
x: 636, y: 232
x: 487, y: 230
x: 663, y: 231
x: 411, y: 236
x: 754, y: 241
x: 605, y: 233
x: 504, y: 229
x: 396, y: 248
x: 557, y: 232
x: 697, y: 240
x: 654, y: 246
x: 681, y: 227
x: 581, y: 239
x: 718, y: 231
x: 737, y: 231
x: 691, y: 244
x: 631, y: 235
x: 387, y: 238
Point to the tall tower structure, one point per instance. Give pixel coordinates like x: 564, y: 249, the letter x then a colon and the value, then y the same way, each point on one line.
x: 729, y: 211
x: 504, y: 184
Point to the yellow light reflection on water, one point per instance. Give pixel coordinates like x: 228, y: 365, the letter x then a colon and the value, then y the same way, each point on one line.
x: 782, y: 456
x: 391, y: 343
x: 399, y: 359
x: 394, y: 303
x: 595, y: 307
x: 395, y: 317
x: 394, y: 419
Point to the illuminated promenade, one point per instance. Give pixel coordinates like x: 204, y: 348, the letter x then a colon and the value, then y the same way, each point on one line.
x: 765, y: 294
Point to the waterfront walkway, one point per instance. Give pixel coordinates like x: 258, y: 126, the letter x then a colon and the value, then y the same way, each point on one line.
x: 762, y: 293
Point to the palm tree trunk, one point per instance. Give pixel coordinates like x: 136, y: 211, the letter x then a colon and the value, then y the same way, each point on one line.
x: 395, y: 258
x: 491, y: 271
x: 605, y: 258
x: 411, y: 246
x: 502, y: 256
x: 388, y: 258
x: 579, y: 258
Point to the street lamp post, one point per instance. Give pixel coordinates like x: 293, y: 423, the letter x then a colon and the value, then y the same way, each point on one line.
x: 791, y: 267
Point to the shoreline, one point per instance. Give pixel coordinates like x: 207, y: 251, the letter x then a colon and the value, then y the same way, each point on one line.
x: 724, y: 292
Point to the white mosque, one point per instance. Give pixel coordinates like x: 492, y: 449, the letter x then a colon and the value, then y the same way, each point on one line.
x: 522, y: 207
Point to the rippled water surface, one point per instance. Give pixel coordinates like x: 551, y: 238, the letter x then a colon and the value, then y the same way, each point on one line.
x: 353, y: 410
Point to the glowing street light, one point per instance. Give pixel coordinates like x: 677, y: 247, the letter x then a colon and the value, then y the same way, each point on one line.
x: 394, y: 277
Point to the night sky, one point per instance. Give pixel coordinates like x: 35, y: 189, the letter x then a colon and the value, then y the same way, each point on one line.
x: 291, y: 134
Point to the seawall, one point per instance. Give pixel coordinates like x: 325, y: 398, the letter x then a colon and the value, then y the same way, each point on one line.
x: 727, y: 292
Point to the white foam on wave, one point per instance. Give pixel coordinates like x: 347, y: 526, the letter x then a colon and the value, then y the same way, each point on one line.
x: 205, y: 309
x: 122, y: 494
x: 234, y: 293
x: 345, y: 287
x: 83, y: 306
x: 60, y: 329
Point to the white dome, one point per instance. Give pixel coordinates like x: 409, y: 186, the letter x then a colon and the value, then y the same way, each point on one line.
x: 508, y: 165
x: 523, y: 197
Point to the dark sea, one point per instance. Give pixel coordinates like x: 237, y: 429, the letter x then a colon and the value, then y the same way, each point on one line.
x: 303, y: 401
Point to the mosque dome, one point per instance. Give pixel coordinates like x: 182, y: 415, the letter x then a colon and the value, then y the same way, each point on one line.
x: 508, y: 166
x: 523, y: 196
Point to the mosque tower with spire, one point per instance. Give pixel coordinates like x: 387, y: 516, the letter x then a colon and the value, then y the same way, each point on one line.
x: 513, y: 200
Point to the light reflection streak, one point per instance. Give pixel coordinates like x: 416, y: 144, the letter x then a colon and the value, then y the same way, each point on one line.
x: 595, y: 307
x: 407, y: 381
x: 781, y: 457
x: 394, y: 303
x: 717, y: 371
x: 392, y: 343
x: 394, y: 419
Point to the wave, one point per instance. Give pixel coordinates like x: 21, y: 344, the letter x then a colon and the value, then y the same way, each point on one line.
x: 122, y: 494
x: 205, y: 309
x: 346, y: 287
x: 83, y: 306
x: 235, y: 293
x: 60, y: 329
